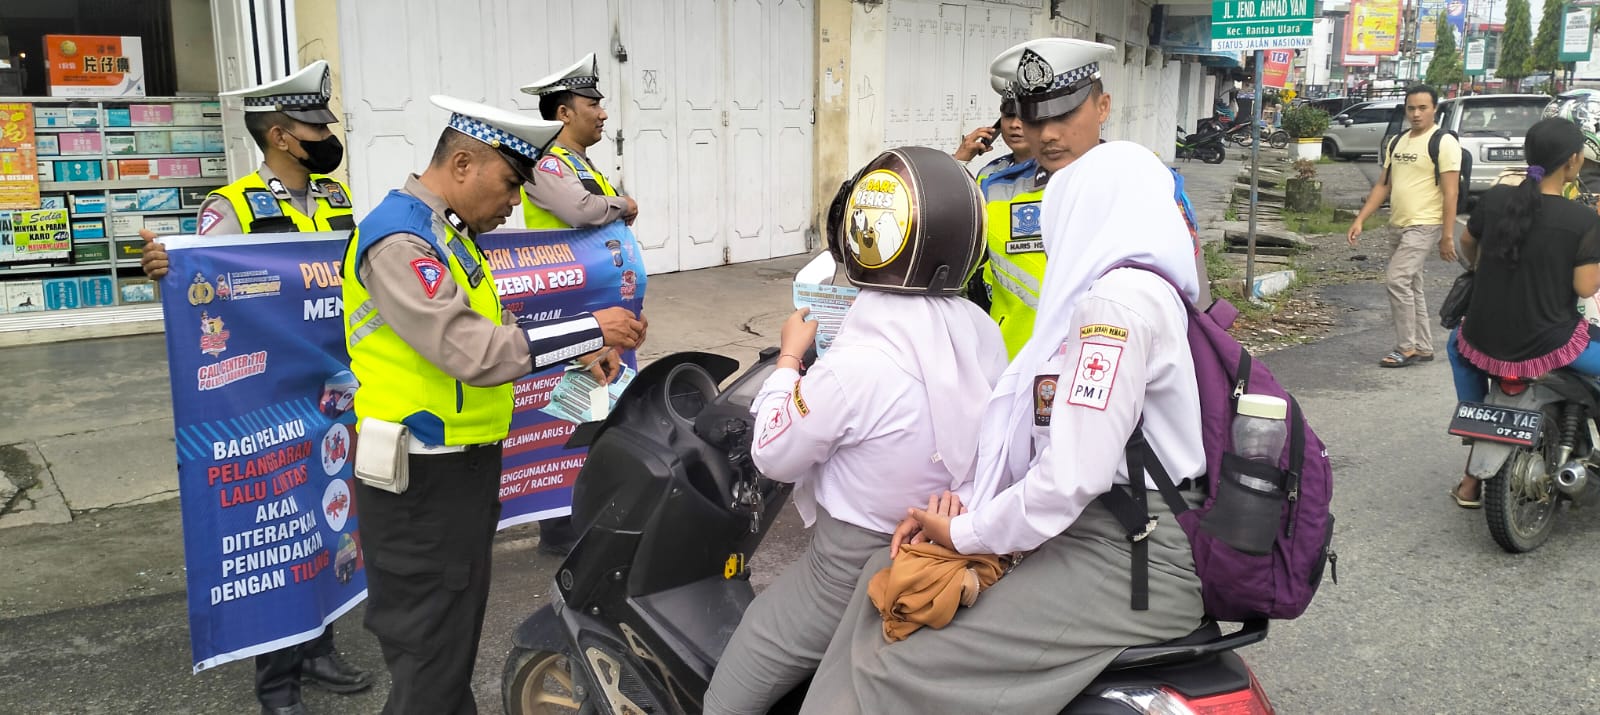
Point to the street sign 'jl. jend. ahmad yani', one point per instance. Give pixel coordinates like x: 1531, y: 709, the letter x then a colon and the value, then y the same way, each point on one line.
x: 1260, y: 24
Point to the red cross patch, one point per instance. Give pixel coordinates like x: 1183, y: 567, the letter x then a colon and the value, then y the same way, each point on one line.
x: 1095, y: 375
x: 431, y: 273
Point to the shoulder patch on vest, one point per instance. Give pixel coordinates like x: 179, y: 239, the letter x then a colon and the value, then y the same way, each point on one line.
x: 550, y: 165
x: 262, y: 203
x: 337, y: 198
x: 431, y: 273
x: 209, y: 219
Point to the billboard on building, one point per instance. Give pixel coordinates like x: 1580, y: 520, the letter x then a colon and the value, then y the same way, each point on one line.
x: 95, y: 66
x: 1428, y: 12
x: 1374, y: 28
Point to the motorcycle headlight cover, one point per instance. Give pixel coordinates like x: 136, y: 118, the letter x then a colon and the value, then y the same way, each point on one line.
x: 910, y: 221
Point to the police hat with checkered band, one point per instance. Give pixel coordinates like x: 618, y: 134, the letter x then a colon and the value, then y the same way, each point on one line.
x: 1008, y: 94
x: 582, y: 79
x: 519, y: 138
x: 302, y: 96
x: 1051, y: 76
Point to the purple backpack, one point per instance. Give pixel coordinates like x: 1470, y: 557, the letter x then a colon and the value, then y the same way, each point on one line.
x: 1259, y: 554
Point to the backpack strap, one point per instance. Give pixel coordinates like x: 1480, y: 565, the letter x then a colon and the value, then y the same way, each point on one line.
x: 1433, y: 152
x: 1388, y: 155
x: 1131, y: 508
x: 1297, y: 462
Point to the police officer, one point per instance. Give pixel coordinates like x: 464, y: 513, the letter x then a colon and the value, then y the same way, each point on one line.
x: 1062, y: 105
x: 435, y: 352
x: 568, y: 191
x: 1010, y: 127
x: 1004, y: 182
x: 291, y: 192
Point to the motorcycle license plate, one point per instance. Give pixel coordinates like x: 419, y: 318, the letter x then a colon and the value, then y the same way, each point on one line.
x: 1496, y: 424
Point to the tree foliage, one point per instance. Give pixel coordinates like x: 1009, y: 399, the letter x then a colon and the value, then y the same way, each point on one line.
x: 1447, y: 67
x: 1547, y: 45
x: 1515, y: 43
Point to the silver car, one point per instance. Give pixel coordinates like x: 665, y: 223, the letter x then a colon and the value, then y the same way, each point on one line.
x: 1491, y: 128
x: 1360, y: 129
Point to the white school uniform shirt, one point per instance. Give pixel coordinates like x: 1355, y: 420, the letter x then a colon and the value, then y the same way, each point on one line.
x: 853, y: 436
x: 1127, y: 355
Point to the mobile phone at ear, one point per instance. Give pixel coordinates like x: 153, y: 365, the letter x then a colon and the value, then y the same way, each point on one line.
x: 988, y: 142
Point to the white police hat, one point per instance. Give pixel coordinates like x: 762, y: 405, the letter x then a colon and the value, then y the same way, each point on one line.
x: 1052, y: 75
x: 582, y: 78
x: 302, y: 96
x: 1008, y: 94
x: 520, y: 138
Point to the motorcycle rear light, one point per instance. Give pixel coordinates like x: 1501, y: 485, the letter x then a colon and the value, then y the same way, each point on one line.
x: 1513, y: 387
x: 1161, y: 701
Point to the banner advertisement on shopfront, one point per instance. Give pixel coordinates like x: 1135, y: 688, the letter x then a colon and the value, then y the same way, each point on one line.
x: 19, y: 161
x: 95, y: 66
x: 1374, y: 27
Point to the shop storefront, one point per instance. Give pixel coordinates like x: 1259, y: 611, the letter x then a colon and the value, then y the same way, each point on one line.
x: 109, y: 124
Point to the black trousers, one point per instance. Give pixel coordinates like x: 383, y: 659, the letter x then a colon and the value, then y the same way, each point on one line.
x: 427, y: 555
x: 278, y: 672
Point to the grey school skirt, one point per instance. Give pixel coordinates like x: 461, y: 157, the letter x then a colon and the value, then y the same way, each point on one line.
x: 1031, y: 643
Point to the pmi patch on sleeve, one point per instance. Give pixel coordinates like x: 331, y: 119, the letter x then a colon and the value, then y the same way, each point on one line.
x: 1095, y: 373
x: 774, y: 424
x: 1102, y: 330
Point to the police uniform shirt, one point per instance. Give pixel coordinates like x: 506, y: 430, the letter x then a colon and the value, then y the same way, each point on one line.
x: 1127, y: 355
x: 805, y: 429
x: 555, y: 188
x: 442, y: 327
x: 218, y: 218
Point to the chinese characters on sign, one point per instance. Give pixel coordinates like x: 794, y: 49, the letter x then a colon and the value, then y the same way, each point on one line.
x: 19, y: 166
x: 95, y: 66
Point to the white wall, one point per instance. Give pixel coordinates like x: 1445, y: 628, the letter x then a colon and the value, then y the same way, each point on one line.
x: 194, y: 52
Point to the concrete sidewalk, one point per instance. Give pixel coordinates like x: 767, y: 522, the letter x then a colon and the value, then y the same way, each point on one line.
x: 87, y: 425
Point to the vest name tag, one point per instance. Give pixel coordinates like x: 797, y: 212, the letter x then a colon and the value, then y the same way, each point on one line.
x: 1025, y: 245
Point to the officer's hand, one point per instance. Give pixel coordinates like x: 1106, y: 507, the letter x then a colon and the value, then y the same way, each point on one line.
x: 633, y: 211
x: 604, y: 365
x: 975, y: 144
x: 798, y: 334
x: 621, y: 329
x: 153, y: 257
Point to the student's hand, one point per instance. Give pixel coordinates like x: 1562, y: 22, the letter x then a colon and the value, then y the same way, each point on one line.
x: 910, y: 530
x: 153, y: 257
x: 974, y: 145
x: 1354, y: 234
x: 798, y: 334
x: 935, y: 527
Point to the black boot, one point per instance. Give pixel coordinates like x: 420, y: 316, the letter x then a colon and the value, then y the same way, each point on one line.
x: 298, y: 708
x: 332, y: 674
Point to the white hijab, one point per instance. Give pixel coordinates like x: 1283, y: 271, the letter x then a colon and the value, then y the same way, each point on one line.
x: 1113, y: 205
x: 951, y: 344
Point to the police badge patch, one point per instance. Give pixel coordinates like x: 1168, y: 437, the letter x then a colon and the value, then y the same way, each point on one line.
x: 335, y: 193
x: 1025, y: 228
x: 263, y: 204
x: 1033, y: 72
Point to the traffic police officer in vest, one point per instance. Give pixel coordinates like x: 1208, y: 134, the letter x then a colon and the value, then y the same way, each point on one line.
x: 568, y: 191
x: 436, y: 355
x: 1010, y: 130
x: 1062, y: 104
x: 1001, y: 181
x: 289, y: 121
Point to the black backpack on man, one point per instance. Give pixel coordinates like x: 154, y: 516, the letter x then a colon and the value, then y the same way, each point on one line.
x: 1465, y: 177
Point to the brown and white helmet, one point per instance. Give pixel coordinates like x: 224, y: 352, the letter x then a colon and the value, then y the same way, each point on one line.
x: 910, y: 221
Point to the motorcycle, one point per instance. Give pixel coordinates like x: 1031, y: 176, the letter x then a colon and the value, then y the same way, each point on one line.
x: 1239, y: 132
x: 670, y: 507
x: 1535, y: 444
x: 1205, y: 147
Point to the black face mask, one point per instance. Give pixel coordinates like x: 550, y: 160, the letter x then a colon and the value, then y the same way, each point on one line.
x: 322, y: 156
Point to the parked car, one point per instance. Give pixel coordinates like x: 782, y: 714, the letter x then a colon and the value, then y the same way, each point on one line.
x: 1360, y: 129
x: 1491, y: 127
x: 1334, y: 105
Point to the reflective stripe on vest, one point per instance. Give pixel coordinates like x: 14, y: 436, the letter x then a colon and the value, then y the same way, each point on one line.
x: 536, y: 217
x: 397, y: 383
x: 1014, y: 277
x: 290, y: 219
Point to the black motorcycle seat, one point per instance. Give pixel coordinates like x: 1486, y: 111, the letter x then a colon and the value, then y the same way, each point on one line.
x: 1205, y: 640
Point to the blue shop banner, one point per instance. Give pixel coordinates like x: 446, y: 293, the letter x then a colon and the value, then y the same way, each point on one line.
x: 264, y: 433
x: 543, y: 275
x: 261, y: 397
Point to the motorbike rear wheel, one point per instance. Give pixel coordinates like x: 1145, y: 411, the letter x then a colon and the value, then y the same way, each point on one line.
x: 1279, y: 139
x: 1211, y: 153
x: 1520, y: 502
x: 537, y: 682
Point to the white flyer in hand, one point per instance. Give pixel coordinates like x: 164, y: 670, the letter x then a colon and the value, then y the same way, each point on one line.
x: 579, y: 398
x: 814, y: 289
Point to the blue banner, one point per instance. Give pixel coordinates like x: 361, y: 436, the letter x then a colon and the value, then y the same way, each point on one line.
x: 265, y: 436
x: 261, y: 397
x: 543, y: 275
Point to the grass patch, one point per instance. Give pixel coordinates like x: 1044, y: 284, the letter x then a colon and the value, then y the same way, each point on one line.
x: 1231, y: 213
x: 1322, y: 221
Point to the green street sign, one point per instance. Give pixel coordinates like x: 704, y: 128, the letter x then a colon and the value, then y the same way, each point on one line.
x: 1260, y: 24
